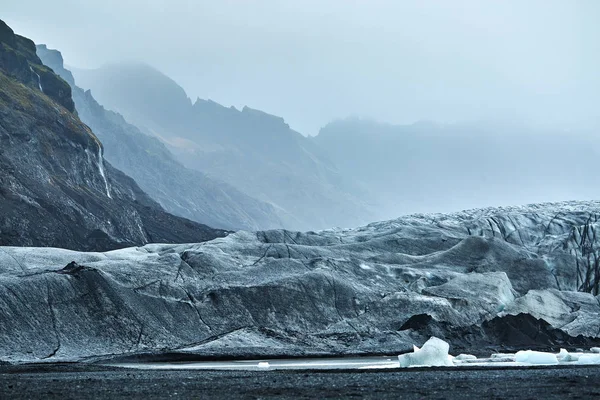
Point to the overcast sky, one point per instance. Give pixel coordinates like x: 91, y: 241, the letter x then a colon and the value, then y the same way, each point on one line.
x: 311, y: 61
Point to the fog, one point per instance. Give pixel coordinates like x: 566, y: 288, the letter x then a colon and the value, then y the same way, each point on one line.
x: 312, y: 61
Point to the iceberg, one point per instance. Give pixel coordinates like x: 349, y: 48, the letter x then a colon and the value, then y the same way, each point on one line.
x: 565, y: 356
x: 434, y: 353
x: 463, y: 357
x: 589, y: 359
x: 536, y: 357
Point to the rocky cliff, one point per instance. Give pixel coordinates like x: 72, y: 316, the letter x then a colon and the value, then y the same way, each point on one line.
x: 18, y: 60
x: 55, y: 187
x: 484, y: 280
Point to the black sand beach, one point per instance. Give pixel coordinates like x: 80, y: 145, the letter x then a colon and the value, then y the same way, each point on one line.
x: 84, y: 381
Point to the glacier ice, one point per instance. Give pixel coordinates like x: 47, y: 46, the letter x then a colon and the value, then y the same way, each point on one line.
x: 536, y: 357
x: 503, y: 356
x: 588, y: 359
x: 333, y: 298
x: 562, y: 354
x: 463, y: 357
x: 434, y: 353
x: 565, y: 356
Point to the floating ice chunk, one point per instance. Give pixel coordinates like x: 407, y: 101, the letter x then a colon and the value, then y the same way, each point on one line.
x: 562, y: 354
x: 595, y: 349
x: 535, y: 357
x: 462, y: 357
x: 588, y: 359
x: 502, y: 357
x: 565, y: 356
x: 263, y: 364
x: 433, y: 353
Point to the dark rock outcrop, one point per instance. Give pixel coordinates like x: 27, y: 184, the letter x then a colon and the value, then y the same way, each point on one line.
x: 507, y: 333
x: 55, y: 187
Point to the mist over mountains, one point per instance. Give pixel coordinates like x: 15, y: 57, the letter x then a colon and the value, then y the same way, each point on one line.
x: 246, y: 169
x: 180, y: 190
x: 147, y: 186
x: 354, y: 170
x: 313, y: 61
x: 255, y: 152
x: 429, y: 167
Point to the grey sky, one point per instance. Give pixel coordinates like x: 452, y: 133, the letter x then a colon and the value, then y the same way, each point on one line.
x: 311, y: 61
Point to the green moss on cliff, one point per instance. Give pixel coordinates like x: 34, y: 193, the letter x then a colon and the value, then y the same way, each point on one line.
x: 15, y: 97
x: 14, y: 94
x: 18, y: 59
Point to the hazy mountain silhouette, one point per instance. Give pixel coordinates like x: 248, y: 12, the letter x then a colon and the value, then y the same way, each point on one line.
x: 426, y: 167
x: 256, y: 152
x: 179, y: 190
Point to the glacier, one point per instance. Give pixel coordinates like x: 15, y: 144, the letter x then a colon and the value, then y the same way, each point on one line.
x: 488, y: 280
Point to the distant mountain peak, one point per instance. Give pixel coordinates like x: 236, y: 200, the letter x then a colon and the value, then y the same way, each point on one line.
x: 55, y: 59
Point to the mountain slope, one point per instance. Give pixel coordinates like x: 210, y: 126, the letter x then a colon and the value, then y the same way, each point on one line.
x: 255, y: 152
x: 181, y: 191
x: 55, y: 188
